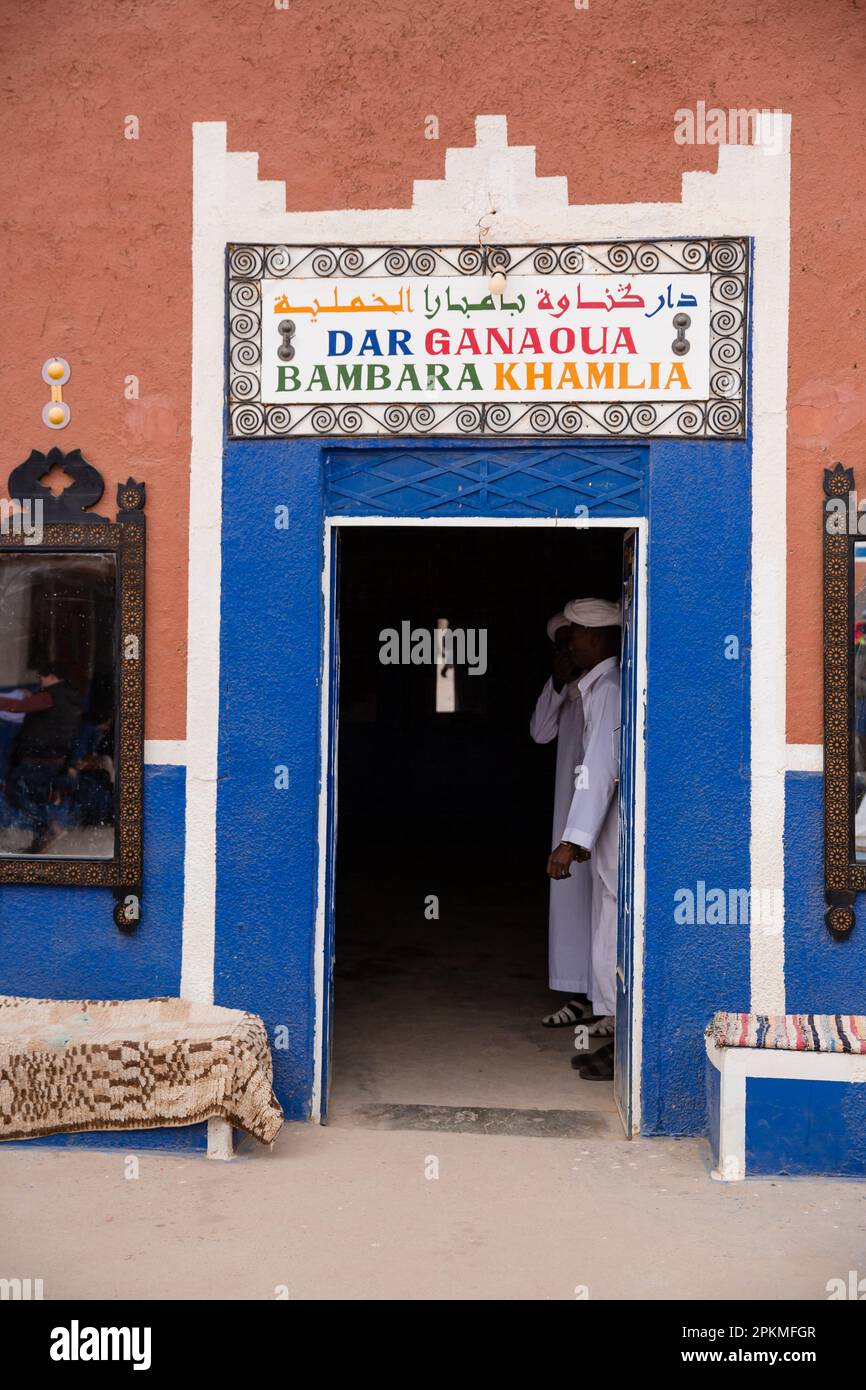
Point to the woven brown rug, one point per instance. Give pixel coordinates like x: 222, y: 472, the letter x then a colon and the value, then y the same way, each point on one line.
x: 91, y: 1064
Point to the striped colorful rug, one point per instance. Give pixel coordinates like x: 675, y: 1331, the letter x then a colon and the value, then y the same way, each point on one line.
x: 791, y: 1032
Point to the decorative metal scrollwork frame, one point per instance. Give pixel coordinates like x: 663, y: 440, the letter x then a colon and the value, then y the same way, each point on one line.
x: 843, y: 875
x: 721, y: 416
x: 68, y: 528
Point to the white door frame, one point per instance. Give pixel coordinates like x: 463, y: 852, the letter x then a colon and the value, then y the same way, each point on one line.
x: 320, y: 972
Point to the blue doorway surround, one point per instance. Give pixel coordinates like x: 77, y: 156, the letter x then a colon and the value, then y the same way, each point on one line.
x: 275, y: 654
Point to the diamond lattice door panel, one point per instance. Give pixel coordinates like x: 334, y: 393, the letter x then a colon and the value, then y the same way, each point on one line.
x: 483, y: 480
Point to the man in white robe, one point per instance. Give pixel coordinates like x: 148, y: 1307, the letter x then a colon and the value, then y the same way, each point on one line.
x: 592, y: 825
x: 558, y: 714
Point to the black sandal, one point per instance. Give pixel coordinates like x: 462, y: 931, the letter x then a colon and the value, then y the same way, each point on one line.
x: 599, y: 1067
x: 572, y: 1013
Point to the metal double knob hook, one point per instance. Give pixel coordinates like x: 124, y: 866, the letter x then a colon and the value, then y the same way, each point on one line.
x: 681, y: 344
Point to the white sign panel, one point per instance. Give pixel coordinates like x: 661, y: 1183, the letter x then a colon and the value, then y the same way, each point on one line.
x: 593, y: 338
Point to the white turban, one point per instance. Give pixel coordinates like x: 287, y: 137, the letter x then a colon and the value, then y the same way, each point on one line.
x: 593, y: 612
x: 555, y: 623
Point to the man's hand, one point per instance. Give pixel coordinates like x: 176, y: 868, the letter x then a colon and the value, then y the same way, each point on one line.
x: 560, y: 862
x: 563, y: 668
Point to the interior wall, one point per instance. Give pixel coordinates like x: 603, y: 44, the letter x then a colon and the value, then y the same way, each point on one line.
x: 414, y: 781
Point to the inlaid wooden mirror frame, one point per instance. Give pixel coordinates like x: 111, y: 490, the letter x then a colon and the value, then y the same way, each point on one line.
x: 68, y: 527
x: 844, y: 876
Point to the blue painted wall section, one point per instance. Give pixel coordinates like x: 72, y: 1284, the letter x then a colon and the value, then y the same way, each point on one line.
x: 61, y: 943
x: 799, y: 1126
x: 270, y: 686
x: 698, y: 763
x: 822, y: 975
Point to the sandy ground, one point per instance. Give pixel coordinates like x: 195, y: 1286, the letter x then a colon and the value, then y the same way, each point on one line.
x: 348, y: 1213
x: 432, y: 1180
x: 428, y: 1022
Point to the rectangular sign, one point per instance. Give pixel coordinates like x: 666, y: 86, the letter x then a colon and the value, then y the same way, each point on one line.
x: 614, y: 338
x: 559, y: 338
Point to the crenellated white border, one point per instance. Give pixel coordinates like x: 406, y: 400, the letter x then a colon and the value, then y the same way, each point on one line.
x: 493, y: 186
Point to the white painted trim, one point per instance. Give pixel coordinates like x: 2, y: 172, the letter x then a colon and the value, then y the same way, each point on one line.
x: 748, y: 195
x: 319, y: 962
x: 209, y: 234
x: 575, y: 523
x: 731, y: 1165
x: 804, y: 757
x: 165, y: 752
x: 320, y: 969
x: 764, y: 206
x: 639, y: 828
x: 736, y: 1064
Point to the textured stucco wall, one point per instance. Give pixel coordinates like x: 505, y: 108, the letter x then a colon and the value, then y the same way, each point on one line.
x: 334, y: 97
x: 271, y: 669
x: 698, y: 765
x: 822, y: 974
x: 62, y: 942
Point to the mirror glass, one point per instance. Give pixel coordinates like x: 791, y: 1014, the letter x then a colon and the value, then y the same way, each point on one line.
x: 57, y: 704
x: 859, y: 759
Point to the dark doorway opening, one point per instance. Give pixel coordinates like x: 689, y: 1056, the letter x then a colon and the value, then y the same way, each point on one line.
x: 444, y: 811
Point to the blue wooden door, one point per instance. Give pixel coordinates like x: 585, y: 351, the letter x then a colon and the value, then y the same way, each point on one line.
x: 333, y: 658
x: 625, y: 870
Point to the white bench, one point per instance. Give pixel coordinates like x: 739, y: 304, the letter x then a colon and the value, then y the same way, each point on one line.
x: 786, y: 1111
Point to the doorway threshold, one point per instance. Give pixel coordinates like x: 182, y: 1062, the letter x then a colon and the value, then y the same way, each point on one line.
x: 483, y: 1119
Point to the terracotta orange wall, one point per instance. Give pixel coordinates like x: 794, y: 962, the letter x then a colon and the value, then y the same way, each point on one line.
x: 334, y: 95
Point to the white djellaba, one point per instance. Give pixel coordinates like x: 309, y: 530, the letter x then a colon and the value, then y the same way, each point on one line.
x: 592, y: 820
x: 559, y: 715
